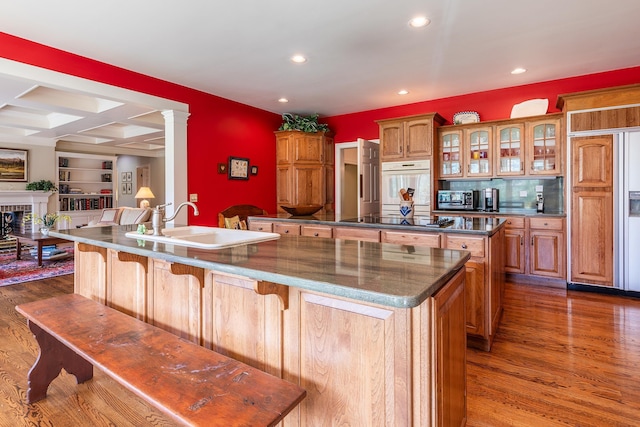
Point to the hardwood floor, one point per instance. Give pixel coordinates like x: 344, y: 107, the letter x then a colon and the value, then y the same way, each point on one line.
x: 559, y: 359
x: 98, y: 402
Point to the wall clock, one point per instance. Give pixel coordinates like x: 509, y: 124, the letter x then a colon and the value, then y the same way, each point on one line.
x: 238, y: 168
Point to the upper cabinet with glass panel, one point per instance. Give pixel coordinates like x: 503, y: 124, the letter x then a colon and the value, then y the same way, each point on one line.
x: 529, y: 146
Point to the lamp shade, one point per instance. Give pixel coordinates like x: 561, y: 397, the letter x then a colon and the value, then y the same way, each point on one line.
x: 144, y: 193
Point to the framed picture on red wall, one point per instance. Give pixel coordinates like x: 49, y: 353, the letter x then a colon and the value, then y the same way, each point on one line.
x: 238, y: 168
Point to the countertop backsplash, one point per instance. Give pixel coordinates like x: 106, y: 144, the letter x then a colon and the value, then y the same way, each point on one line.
x: 510, y: 190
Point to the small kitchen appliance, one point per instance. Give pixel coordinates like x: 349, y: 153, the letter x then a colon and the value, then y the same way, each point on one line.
x: 489, y: 202
x: 539, y: 203
x: 466, y: 200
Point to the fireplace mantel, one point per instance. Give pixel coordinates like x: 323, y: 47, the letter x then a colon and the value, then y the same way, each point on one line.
x: 23, y: 197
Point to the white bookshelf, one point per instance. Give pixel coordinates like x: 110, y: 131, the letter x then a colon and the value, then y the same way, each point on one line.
x: 86, y: 185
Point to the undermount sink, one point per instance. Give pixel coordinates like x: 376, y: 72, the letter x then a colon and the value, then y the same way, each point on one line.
x: 205, y: 237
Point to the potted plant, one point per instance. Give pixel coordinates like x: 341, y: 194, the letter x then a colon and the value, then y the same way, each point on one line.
x: 42, y: 185
x: 47, y: 220
x: 302, y: 123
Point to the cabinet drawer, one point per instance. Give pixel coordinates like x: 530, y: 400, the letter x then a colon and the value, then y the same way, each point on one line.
x: 514, y: 222
x: 475, y: 245
x: 400, y: 238
x: 538, y: 223
x: 291, y: 229
x: 367, y: 235
x: 260, y: 226
x: 317, y: 231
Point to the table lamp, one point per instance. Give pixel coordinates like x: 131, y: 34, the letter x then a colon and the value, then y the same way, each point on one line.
x: 144, y: 193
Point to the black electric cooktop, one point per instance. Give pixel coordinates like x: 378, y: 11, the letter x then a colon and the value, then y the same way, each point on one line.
x: 425, y: 221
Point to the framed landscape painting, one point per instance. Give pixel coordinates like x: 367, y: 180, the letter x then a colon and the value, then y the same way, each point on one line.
x: 14, y: 165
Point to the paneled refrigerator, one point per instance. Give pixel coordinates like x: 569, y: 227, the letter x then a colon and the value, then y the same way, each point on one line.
x: 627, y: 215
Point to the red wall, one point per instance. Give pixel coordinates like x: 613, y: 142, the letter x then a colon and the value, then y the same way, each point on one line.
x: 218, y: 128
x: 491, y: 105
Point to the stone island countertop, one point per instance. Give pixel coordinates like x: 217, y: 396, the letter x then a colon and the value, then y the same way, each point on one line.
x: 458, y: 222
x: 365, y: 271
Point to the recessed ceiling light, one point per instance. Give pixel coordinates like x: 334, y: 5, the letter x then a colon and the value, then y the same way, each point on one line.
x: 283, y: 100
x: 403, y: 92
x: 518, y: 71
x: 419, y: 22
x: 298, y: 59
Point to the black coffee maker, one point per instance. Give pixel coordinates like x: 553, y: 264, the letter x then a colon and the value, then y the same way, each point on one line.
x: 490, y: 200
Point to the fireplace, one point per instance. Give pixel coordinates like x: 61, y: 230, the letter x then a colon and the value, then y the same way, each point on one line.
x: 15, y: 204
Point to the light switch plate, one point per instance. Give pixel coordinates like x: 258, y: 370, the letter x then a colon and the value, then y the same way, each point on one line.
x: 193, y: 198
x: 523, y: 193
x: 539, y: 188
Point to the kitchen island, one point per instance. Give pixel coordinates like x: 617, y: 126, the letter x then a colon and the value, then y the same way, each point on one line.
x: 482, y: 236
x: 374, y: 332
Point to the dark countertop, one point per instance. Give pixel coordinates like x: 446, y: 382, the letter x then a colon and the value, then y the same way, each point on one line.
x: 460, y: 223
x: 391, y: 275
x: 508, y: 212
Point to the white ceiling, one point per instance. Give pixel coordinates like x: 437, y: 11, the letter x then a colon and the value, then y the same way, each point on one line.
x: 361, y: 52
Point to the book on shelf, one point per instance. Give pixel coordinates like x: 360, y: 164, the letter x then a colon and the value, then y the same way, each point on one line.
x: 107, y: 164
x: 63, y: 162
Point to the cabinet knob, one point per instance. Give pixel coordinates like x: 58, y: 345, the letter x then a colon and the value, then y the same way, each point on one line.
x: 286, y: 231
x: 315, y: 234
x: 259, y: 228
x: 509, y: 222
x: 464, y: 246
x: 545, y: 224
x: 521, y: 241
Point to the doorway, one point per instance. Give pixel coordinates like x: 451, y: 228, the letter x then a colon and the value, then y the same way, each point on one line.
x: 357, y: 177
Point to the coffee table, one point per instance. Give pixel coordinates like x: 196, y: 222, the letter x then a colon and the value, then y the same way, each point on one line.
x: 35, y: 239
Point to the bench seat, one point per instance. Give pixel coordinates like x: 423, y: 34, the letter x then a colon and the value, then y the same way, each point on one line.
x: 194, y: 385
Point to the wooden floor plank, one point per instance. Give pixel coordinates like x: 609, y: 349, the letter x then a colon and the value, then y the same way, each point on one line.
x: 559, y: 359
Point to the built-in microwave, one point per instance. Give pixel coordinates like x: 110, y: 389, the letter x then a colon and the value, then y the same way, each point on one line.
x: 465, y: 200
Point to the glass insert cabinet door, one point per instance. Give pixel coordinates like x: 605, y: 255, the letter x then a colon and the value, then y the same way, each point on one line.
x: 451, y: 154
x: 510, y: 150
x: 479, y: 152
x: 544, y: 152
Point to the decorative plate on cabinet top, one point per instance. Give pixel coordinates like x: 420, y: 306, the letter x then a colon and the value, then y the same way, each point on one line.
x: 465, y: 117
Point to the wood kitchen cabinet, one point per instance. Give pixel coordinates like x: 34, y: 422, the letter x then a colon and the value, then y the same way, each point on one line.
x: 535, y: 247
x: 478, y: 142
x: 408, y: 137
x: 304, y: 169
x: 529, y: 146
x: 515, y: 238
x: 592, y: 231
x: 510, y: 150
x: 544, y: 147
x: 547, y: 247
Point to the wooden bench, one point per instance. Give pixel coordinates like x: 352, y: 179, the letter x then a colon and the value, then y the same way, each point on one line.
x: 194, y: 385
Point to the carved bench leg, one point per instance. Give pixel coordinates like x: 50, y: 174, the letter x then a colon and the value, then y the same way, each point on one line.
x: 52, y: 358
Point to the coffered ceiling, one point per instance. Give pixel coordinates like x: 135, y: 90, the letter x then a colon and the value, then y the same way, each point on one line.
x: 360, y: 54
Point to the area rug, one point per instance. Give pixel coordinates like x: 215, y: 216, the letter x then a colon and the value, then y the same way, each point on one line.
x: 14, y: 271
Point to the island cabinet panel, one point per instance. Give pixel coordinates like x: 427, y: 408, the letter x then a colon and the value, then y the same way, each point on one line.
x: 90, y: 272
x: 127, y: 284
x: 402, y: 238
x: 450, y: 343
x: 172, y: 282
x: 317, y: 231
x: 285, y: 228
x: 241, y: 323
x: 260, y: 226
x: 475, y: 297
x: 355, y: 233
